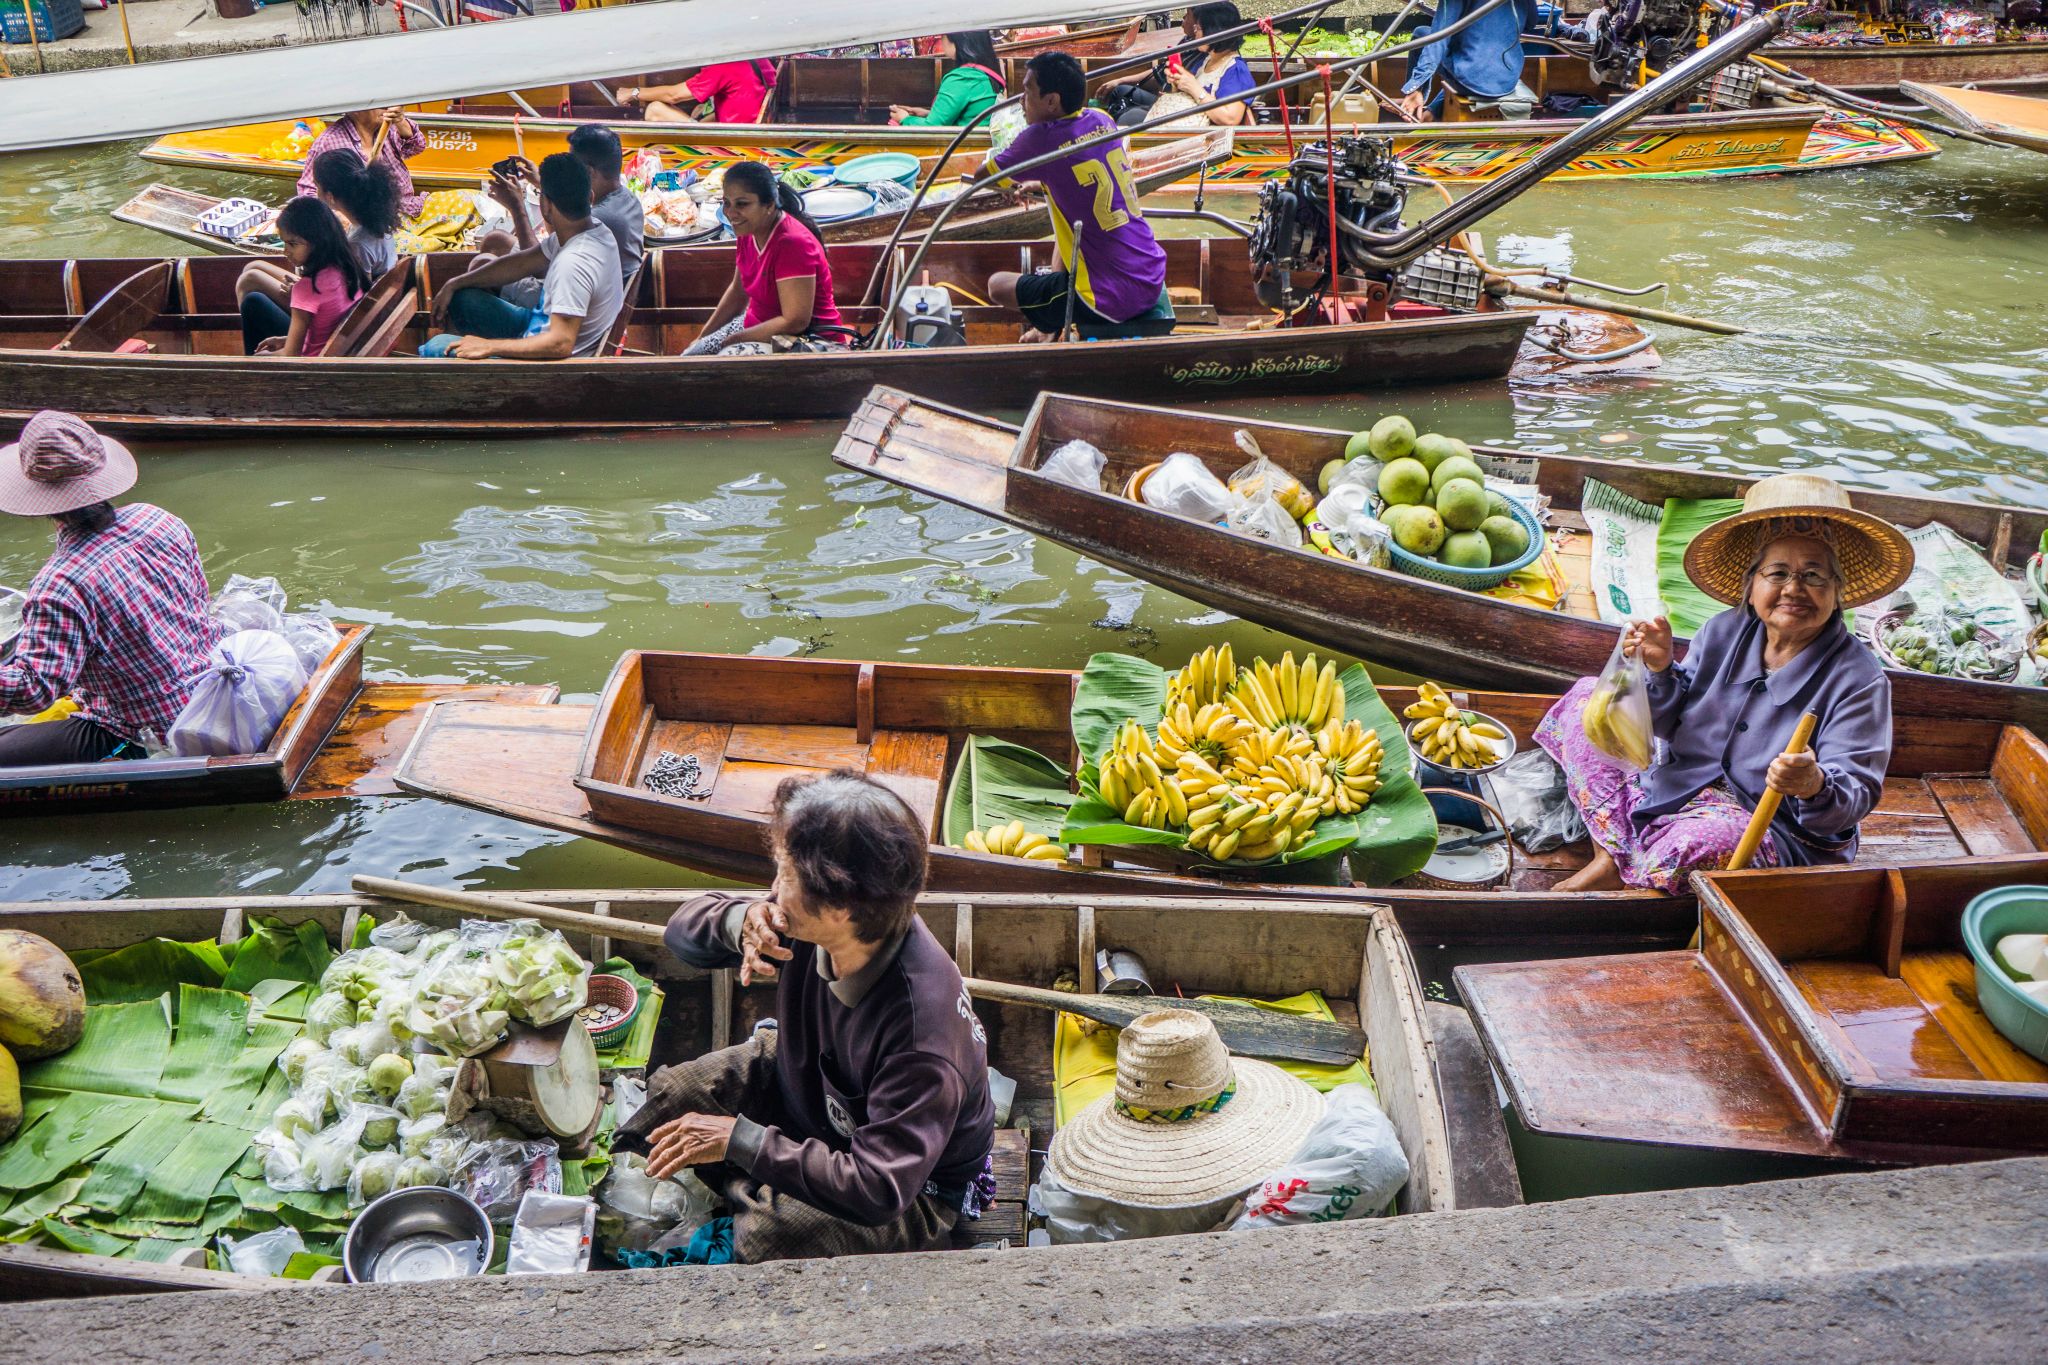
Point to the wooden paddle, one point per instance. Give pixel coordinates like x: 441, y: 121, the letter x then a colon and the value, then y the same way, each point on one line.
x: 1243, y: 1028
x: 1767, y: 806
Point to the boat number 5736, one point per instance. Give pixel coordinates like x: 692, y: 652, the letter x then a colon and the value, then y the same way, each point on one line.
x: 450, y: 140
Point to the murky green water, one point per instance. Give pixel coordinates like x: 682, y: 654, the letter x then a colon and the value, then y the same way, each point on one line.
x: 1898, y: 337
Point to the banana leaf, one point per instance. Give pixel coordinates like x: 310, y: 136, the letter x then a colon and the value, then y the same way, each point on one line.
x: 1114, y: 688
x: 73, y: 1238
x: 637, y: 1048
x: 1397, y: 828
x: 179, y: 1190
x: 162, y: 1248
x: 120, y: 1174
x: 274, y: 951
x: 36, y: 1205
x: 122, y: 1052
x: 211, y: 1027
x: 144, y: 971
x: 996, y: 782
x: 305, y: 1264
x: 77, y: 1128
x: 247, y: 1077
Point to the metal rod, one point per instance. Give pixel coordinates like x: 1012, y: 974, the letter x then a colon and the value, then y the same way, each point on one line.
x: 1204, y: 216
x: 1627, y: 310
x: 127, y: 39
x: 520, y: 100
x: 1642, y: 343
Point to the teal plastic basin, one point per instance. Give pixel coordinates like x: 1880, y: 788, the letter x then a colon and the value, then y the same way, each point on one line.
x: 900, y: 167
x: 1989, y: 918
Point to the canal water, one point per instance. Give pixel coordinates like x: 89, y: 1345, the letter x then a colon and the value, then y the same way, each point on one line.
x: 1897, y: 338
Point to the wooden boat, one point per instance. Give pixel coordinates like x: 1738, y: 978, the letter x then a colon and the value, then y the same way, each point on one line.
x: 1437, y: 1093
x: 197, y: 379
x: 2016, y: 120
x: 1440, y: 632
x: 342, y: 737
x: 1828, y: 1013
x: 1001, y: 213
x: 750, y: 722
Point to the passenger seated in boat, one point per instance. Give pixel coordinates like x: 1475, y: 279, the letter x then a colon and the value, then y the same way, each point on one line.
x: 971, y: 85
x: 580, y: 291
x: 116, y: 619
x: 1116, y: 271
x: 1219, y: 73
x: 329, y: 280
x: 1480, y: 67
x: 780, y: 295
x: 1788, y: 564
x: 860, y: 1121
x: 365, y: 198
x: 611, y: 203
x: 357, y: 132
x: 736, y: 92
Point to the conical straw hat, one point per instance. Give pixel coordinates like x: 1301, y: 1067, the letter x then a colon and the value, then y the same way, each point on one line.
x: 1875, y: 555
x: 1187, y: 1124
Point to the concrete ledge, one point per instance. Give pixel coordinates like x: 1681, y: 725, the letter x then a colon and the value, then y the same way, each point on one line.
x: 163, y: 31
x: 1593, y: 1277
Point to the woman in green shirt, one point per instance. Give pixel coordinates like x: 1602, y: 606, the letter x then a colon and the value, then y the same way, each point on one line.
x: 974, y: 83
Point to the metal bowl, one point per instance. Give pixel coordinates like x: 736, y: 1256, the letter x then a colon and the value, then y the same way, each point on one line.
x: 420, y: 1233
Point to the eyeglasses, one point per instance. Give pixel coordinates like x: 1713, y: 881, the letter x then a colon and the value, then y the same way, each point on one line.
x: 1812, y: 579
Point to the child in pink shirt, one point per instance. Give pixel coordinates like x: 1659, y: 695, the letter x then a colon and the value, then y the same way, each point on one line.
x: 330, y: 281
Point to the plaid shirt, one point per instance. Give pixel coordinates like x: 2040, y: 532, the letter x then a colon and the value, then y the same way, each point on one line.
x: 117, y: 620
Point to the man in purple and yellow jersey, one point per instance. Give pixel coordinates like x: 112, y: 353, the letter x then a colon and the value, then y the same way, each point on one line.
x: 1115, y: 269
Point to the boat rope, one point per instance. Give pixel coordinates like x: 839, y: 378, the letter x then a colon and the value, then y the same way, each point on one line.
x: 1286, y: 117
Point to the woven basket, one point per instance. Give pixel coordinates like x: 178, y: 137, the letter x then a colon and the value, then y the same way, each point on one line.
x: 1892, y: 618
x: 1474, y: 580
x: 612, y: 995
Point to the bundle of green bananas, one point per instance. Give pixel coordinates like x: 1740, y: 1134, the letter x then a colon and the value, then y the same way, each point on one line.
x: 1612, y: 728
x: 1450, y: 736
x: 1014, y: 841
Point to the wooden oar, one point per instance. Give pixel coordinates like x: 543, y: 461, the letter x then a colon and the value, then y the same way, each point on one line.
x: 1766, y: 806
x: 1243, y: 1028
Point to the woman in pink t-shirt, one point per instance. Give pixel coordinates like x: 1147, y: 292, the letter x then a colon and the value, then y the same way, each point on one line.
x: 782, y: 279
x: 735, y: 91
x: 330, y: 280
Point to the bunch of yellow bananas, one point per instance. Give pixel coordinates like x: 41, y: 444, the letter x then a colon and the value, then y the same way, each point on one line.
x: 1205, y: 679
x: 1129, y: 778
x: 1454, y: 738
x: 1351, y: 759
x: 1292, y: 694
x: 1612, y: 729
x: 1014, y: 841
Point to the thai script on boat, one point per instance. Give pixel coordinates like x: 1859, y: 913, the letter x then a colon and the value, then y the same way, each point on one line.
x: 1732, y: 147
x: 1215, y: 373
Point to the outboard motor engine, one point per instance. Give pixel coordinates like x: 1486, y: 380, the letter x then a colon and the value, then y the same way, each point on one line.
x: 1293, y: 233
x: 1635, y: 33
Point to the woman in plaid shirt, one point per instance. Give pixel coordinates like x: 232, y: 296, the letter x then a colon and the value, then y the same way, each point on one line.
x: 116, y: 619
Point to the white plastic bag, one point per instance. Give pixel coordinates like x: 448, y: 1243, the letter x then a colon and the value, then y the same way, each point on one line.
x: 252, y: 678
x: 1071, y: 1216
x: 551, y: 1234
x: 1534, y: 798
x: 1349, y: 1166
x: 312, y: 636
x: 265, y: 1253
x: 1185, y: 486
x: 1266, y: 519
x: 249, y: 604
x: 1367, y: 540
x: 637, y: 1210
x: 1076, y: 463
x: 1616, y: 719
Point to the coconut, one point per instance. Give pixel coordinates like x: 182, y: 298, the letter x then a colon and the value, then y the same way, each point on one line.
x: 42, y: 1001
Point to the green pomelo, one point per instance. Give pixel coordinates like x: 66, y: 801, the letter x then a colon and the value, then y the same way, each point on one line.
x: 1497, y: 505
x: 1404, y: 482
x: 1466, y: 550
x: 1329, y: 472
x: 42, y: 1001
x: 1420, y: 531
x: 1391, y: 438
x: 1433, y: 449
x: 1507, y: 537
x: 1456, y: 467
x: 1462, y: 505
x: 1359, y: 444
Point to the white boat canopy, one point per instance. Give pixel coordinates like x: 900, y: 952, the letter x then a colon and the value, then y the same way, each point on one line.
x: 109, y: 103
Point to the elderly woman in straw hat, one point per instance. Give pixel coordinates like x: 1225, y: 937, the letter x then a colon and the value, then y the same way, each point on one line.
x: 116, y: 619
x: 1787, y: 565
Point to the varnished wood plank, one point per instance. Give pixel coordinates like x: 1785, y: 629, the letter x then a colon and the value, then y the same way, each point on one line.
x: 1976, y: 807
x: 1947, y: 983
x: 913, y: 765
x: 2020, y: 768
x: 804, y: 746
x: 1884, y: 1020
x: 361, y: 757
x: 685, y: 738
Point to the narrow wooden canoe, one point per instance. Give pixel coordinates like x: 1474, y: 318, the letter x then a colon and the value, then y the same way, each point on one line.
x: 1000, y: 213
x: 1440, y: 1099
x: 1828, y: 1012
x: 1952, y: 791
x: 198, y: 380
x: 1440, y: 632
x: 342, y: 737
x: 2016, y: 120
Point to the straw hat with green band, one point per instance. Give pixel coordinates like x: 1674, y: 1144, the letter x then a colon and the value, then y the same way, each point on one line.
x: 1187, y: 1124
x: 1875, y: 556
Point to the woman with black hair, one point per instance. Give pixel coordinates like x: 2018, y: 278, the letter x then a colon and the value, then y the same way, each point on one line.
x: 972, y: 84
x: 330, y: 280
x: 782, y: 281
x: 1220, y: 74
x: 366, y: 198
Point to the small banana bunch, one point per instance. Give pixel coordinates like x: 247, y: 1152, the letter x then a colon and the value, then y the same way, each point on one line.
x: 1613, y: 729
x: 1014, y: 841
x: 1209, y: 733
x: 1447, y: 735
x: 1129, y: 778
x: 1234, y: 821
x: 1351, y: 759
x: 1204, y: 680
x: 1291, y: 694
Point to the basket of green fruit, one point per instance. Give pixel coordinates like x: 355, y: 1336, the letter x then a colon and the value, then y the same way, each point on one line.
x: 1448, y: 527
x: 1948, y: 643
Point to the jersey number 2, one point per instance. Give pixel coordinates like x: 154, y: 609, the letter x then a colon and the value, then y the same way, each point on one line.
x: 1113, y: 169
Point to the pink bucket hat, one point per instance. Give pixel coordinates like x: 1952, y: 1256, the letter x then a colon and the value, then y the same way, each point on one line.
x: 61, y: 464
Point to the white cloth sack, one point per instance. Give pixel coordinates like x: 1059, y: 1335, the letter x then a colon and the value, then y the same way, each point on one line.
x: 252, y: 678
x: 1349, y: 1166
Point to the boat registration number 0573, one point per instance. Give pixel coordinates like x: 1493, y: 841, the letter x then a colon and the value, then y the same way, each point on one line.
x: 450, y: 140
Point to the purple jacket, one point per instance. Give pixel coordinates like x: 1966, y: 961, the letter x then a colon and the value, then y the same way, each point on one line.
x: 1724, y: 721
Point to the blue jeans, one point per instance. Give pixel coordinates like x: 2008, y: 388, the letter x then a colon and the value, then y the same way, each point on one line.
x: 480, y: 313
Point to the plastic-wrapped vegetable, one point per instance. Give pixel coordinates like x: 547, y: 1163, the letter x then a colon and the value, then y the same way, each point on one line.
x: 401, y: 933
x: 414, y: 1135
x: 544, y: 979
x: 380, y: 1126
x: 296, y: 1056
x: 388, y: 1072
x: 417, y: 1170
x: 328, y: 1156
x: 296, y: 1118
x: 363, y: 1043
x: 333, y: 1083
x: 374, y: 1176
x: 329, y: 1012
x: 419, y: 1097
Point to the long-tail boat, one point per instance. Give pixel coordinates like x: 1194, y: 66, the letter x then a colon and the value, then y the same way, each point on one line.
x: 1956, y: 787
x: 2017, y: 120
x: 341, y: 737
x: 1383, y: 614
x: 1825, y: 1012
x: 1426, y: 1071
x: 194, y: 377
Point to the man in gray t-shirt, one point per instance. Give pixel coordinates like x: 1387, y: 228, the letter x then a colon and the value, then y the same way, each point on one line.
x: 583, y: 283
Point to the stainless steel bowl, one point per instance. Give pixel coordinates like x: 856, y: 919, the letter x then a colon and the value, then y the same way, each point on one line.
x: 420, y: 1233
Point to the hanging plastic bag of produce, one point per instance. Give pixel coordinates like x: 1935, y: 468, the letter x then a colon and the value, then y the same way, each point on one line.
x: 1263, y: 478
x: 1266, y: 519
x: 252, y: 678
x: 1076, y: 463
x: 249, y: 604
x: 1617, y: 715
x: 312, y: 636
x: 1349, y: 1166
x: 1186, y: 487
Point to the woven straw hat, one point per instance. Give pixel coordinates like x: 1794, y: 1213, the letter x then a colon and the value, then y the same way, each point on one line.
x: 61, y: 464
x: 1187, y: 1124
x: 1875, y: 556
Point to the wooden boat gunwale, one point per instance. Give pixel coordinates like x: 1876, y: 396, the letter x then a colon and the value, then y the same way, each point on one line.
x: 1968, y: 108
